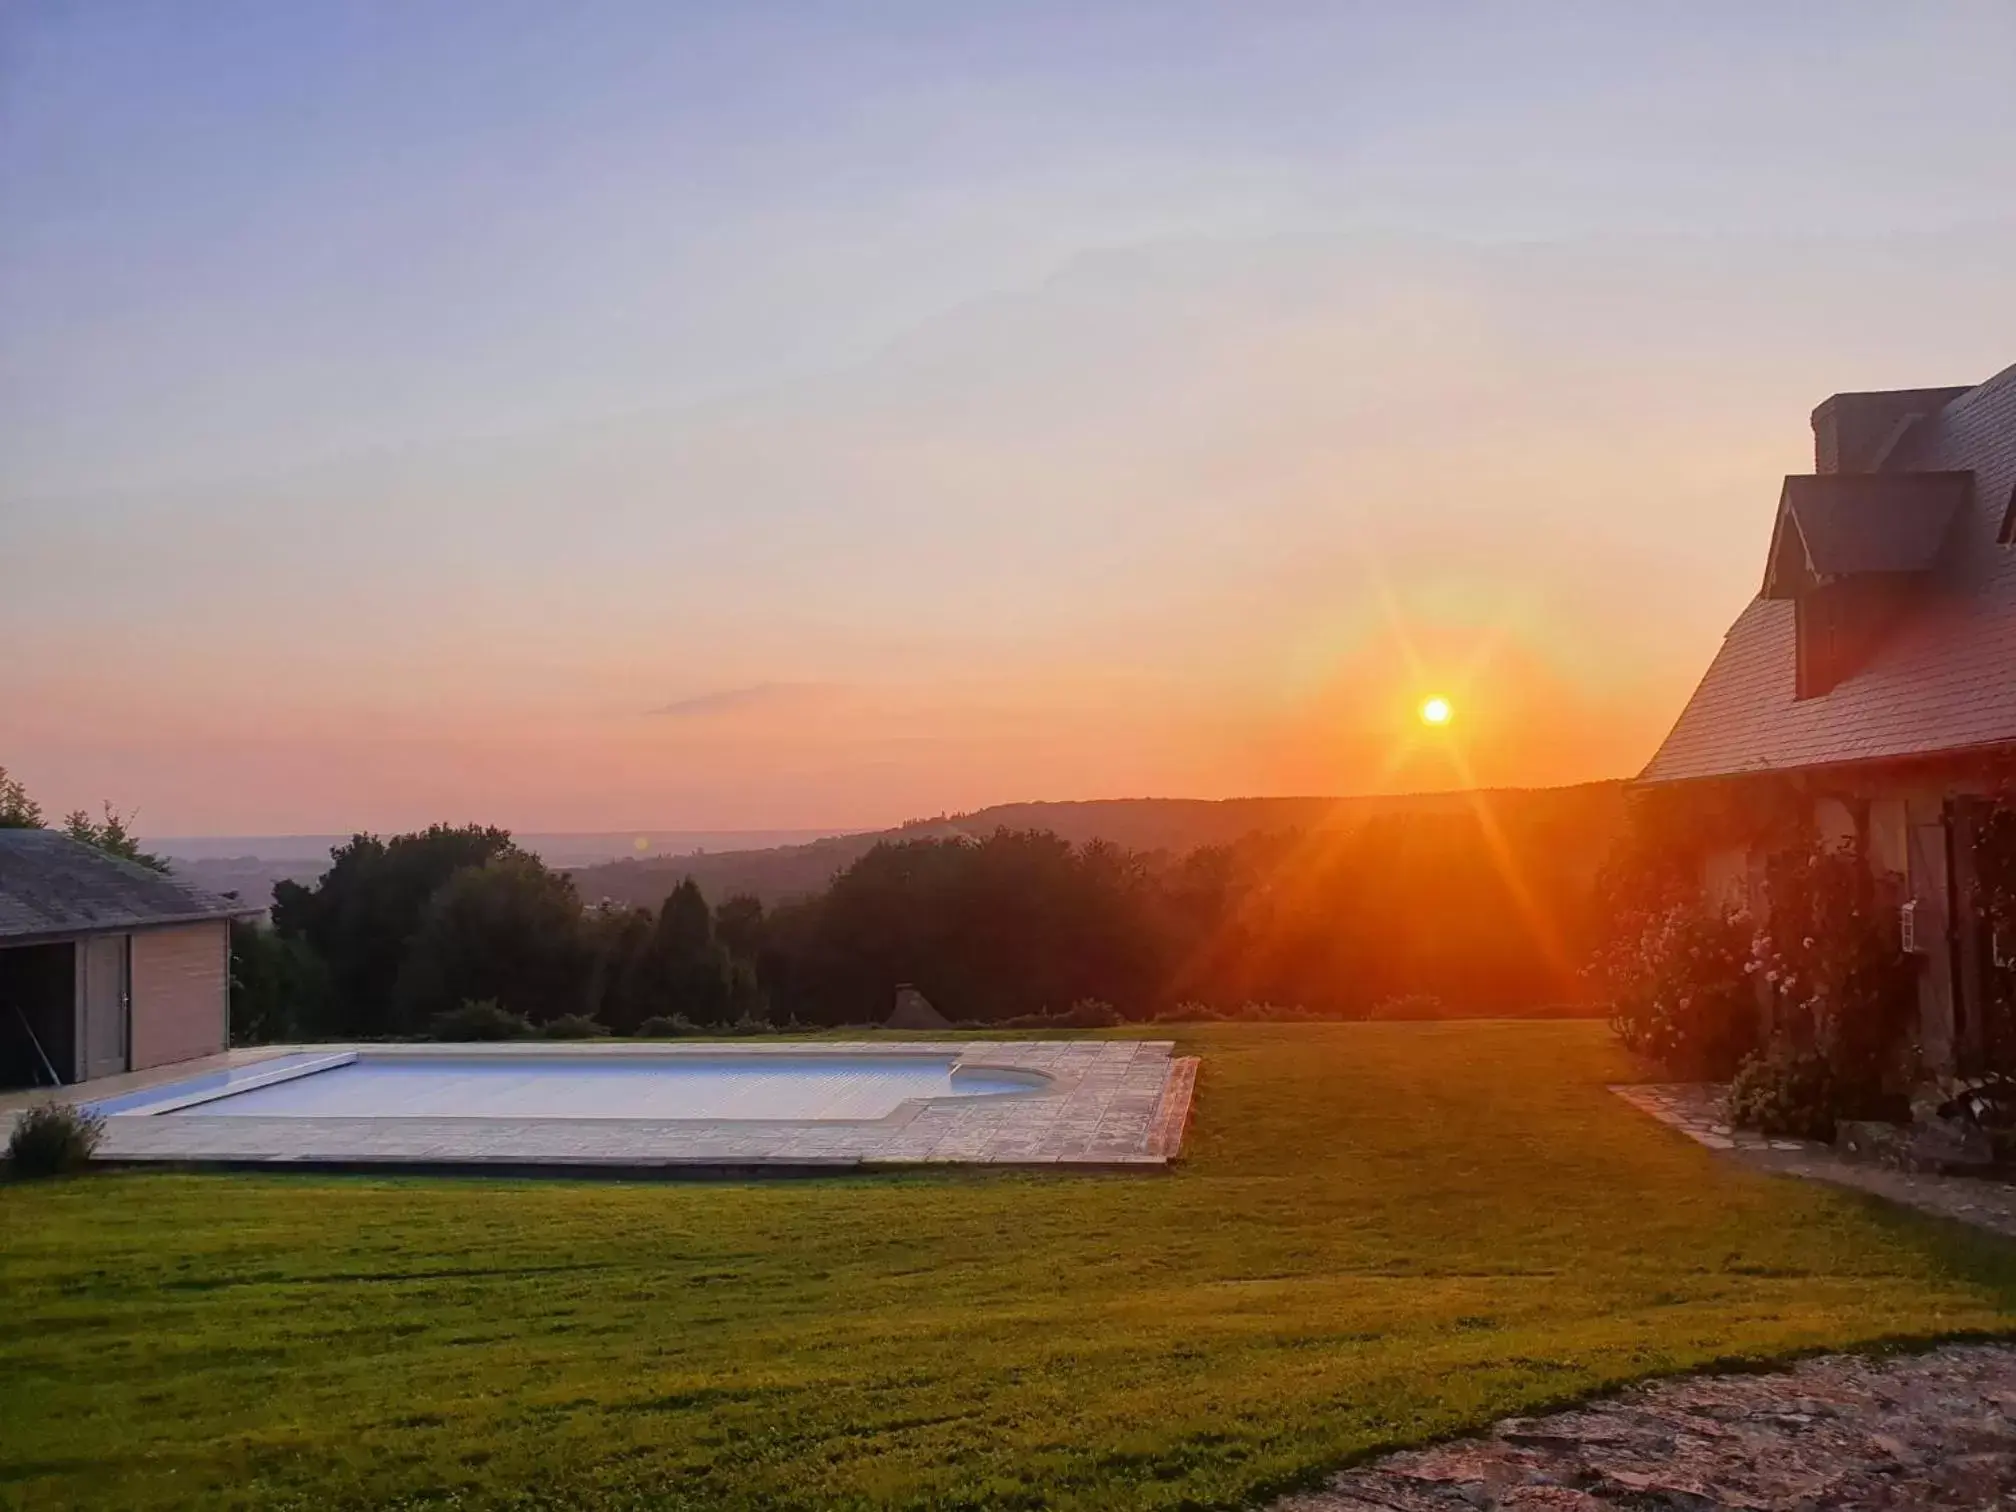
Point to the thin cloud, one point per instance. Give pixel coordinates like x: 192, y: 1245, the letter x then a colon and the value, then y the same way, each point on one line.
x: 757, y: 696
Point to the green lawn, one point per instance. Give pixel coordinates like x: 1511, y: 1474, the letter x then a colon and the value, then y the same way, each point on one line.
x: 1382, y: 1233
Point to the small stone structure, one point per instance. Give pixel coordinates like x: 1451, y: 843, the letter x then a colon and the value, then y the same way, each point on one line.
x: 913, y: 1011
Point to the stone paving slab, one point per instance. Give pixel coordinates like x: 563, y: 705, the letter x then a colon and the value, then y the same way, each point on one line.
x: 1840, y: 1433
x: 1172, y: 1117
x: 1696, y: 1109
x: 1109, y: 1104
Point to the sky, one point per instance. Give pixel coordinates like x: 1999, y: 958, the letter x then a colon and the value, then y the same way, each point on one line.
x: 637, y: 415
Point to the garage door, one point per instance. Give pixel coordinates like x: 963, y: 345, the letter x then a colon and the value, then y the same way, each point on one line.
x: 107, y: 1005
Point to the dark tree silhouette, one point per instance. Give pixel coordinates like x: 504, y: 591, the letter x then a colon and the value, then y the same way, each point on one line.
x: 509, y: 932
x: 362, y: 915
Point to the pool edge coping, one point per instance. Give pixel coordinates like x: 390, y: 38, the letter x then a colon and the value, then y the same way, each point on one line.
x: 1117, y: 1105
x: 671, y: 1169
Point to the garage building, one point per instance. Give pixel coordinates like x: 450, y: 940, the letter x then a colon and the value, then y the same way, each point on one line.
x: 105, y: 966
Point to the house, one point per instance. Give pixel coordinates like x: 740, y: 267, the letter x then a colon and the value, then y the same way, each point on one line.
x: 105, y: 966
x: 1871, y: 683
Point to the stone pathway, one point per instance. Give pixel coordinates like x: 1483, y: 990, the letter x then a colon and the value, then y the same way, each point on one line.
x: 1695, y: 1109
x: 1839, y: 1433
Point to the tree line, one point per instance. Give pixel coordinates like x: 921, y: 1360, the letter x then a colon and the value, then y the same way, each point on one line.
x: 1417, y: 915
x: 111, y: 833
x: 398, y: 935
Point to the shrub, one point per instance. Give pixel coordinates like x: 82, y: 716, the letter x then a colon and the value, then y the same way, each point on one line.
x: 1190, y: 1012
x: 678, y: 1025
x: 1249, y: 1012
x: 1091, y: 1013
x: 479, y: 1019
x: 1275, y: 1013
x: 1086, y: 1013
x: 1680, y: 991
x: 1786, y: 1091
x: 1412, y: 1006
x: 53, y: 1138
x: 573, y: 1026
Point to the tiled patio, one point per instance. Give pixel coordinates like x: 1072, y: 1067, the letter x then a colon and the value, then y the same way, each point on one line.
x: 1111, y: 1104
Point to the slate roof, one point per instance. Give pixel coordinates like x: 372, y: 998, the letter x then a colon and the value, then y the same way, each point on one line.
x: 52, y: 887
x: 1942, y: 680
x: 1865, y: 522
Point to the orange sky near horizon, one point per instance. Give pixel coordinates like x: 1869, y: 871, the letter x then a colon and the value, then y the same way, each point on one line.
x: 1332, y: 706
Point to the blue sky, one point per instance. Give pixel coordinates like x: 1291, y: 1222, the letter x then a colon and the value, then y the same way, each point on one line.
x: 973, y: 402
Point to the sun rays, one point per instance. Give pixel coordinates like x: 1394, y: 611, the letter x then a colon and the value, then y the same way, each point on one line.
x: 1431, y: 739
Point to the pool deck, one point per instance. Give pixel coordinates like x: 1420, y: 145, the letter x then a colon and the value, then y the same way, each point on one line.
x: 1112, y: 1104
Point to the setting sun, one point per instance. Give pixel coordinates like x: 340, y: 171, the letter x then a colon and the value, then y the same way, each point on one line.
x: 1435, y: 711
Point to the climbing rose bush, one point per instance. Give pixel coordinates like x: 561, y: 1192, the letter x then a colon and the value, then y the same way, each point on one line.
x: 1995, y: 862
x: 1679, y: 990
x: 1841, y: 994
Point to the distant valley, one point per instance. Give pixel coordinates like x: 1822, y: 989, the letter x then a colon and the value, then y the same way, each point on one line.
x: 779, y: 865
x: 1586, y: 817
x: 250, y: 865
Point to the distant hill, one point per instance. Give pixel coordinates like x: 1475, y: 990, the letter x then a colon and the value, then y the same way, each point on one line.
x: 248, y: 866
x: 251, y: 878
x: 1588, y: 816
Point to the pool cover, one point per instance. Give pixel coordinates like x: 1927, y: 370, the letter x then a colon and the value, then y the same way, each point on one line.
x: 797, y: 1088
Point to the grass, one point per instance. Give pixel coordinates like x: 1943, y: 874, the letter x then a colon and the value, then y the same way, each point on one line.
x: 1383, y: 1233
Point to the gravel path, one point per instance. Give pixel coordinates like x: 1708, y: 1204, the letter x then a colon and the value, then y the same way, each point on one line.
x: 1840, y: 1433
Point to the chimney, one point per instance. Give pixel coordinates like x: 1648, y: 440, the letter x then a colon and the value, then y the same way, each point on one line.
x: 1855, y: 433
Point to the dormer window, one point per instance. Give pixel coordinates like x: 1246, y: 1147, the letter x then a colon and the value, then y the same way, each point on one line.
x: 1851, y: 551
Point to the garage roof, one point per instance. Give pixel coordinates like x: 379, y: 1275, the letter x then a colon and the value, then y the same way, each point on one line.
x: 53, y: 888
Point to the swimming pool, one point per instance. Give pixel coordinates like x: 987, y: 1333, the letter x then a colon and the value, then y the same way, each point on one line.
x: 704, y: 1108
x: 721, y: 1085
